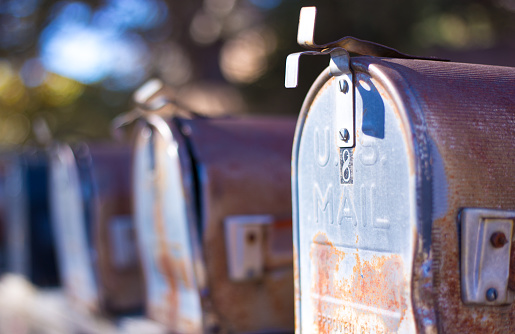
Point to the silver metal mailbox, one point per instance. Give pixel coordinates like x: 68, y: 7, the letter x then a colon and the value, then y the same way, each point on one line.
x: 213, y: 216
x: 90, y: 195
x: 403, y: 193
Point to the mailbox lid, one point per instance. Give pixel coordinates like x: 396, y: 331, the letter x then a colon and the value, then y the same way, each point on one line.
x: 72, y: 230
x: 166, y: 230
x: 243, y: 168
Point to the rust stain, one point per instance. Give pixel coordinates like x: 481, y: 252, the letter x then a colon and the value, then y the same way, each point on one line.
x: 172, y: 268
x: 234, y: 181
x: 377, y: 283
x: 479, y: 168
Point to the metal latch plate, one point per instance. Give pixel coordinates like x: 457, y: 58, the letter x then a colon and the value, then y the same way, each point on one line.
x: 244, y: 246
x: 486, y: 245
x: 255, y: 243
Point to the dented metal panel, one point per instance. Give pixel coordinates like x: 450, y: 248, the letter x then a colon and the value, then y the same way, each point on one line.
x: 190, y: 176
x: 432, y: 138
x: 92, y: 216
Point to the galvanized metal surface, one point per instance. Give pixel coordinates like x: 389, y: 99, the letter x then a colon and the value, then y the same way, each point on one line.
x: 91, y: 203
x: 471, y: 131
x: 198, y: 172
x: 432, y: 138
x: 355, y: 244
x: 164, y: 230
x: 245, y: 170
x: 71, y: 231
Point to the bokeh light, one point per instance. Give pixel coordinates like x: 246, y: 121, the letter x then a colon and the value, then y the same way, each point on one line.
x: 60, y: 91
x: 12, y: 90
x: 98, y: 45
x: 243, y: 59
x: 205, y: 28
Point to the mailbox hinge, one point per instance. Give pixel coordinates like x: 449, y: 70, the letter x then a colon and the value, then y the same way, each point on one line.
x: 486, y: 252
x: 339, y: 67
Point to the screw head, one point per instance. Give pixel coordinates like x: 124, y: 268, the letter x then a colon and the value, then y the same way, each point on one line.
x: 498, y: 239
x: 344, y: 135
x: 344, y: 86
x: 491, y: 294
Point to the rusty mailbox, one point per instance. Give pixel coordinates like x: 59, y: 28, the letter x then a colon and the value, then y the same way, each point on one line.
x: 403, y: 193
x: 90, y: 197
x: 26, y: 240
x: 213, y: 217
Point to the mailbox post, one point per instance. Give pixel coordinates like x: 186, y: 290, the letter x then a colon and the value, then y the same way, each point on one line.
x: 403, y: 193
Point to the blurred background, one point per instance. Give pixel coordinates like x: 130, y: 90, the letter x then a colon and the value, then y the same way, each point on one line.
x: 75, y: 64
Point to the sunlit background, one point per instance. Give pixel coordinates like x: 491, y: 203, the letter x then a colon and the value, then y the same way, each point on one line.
x: 75, y: 64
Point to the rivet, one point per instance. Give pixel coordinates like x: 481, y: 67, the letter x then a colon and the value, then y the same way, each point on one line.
x: 344, y: 135
x: 491, y: 294
x: 344, y: 86
x: 498, y: 239
x: 251, y: 238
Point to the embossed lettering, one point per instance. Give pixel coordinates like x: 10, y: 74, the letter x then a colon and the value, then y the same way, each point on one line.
x: 369, y: 214
x: 331, y: 324
x: 323, y: 204
x: 369, y: 152
x: 322, y: 156
x: 346, y: 213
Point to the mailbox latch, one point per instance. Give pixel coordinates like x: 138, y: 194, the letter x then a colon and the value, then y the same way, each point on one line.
x: 255, y: 243
x: 486, y: 251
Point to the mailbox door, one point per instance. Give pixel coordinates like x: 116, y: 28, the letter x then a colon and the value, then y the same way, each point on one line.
x: 163, y: 223
x: 71, y: 231
x: 355, y: 212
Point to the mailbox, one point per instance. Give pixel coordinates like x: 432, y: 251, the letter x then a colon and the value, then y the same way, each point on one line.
x: 26, y: 241
x: 403, y: 193
x: 90, y: 197
x: 213, y: 216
